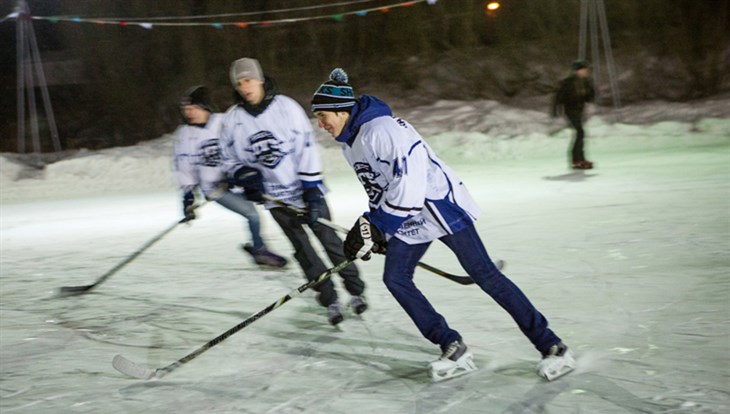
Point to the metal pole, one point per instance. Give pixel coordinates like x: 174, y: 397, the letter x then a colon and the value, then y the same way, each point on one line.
x: 595, y: 52
x: 29, y: 59
x: 20, y: 57
x: 44, y: 88
x: 30, y: 91
x: 610, y: 65
x: 583, y: 30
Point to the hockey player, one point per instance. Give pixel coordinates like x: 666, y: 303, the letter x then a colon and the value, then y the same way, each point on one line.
x: 570, y: 98
x: 414, y: 199
x: 269, y: 148
x: 197, y: 164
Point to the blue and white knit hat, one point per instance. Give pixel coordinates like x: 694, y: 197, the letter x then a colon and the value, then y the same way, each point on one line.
x: 335, y: 95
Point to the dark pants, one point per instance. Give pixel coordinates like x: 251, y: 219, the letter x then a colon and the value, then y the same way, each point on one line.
x: 308, y: 259
x: 576, y: 120
x: 401, y: 260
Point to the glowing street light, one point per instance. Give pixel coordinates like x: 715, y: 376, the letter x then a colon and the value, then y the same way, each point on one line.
x: 492, y: 5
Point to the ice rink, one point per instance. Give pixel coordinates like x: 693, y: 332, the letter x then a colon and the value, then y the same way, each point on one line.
x: 630, y: 262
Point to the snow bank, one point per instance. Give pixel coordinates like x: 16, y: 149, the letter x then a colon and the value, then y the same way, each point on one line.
x: 461, y: 133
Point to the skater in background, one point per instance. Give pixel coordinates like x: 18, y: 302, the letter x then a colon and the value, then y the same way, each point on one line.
x: 269, y: 148
x: 197, y: 165
x: 572, y: 95
x: 415, y: 198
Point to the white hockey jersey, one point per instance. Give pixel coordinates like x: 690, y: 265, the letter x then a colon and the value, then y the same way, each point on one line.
x: 413, y: 195
x: 280, y: 143
x: 197, y: 159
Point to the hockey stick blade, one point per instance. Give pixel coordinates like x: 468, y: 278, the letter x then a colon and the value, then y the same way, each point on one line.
x: 78, y: 290
x: 127, y: 367
x: 73, y: 290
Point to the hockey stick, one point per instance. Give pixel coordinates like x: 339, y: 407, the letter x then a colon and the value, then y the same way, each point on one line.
x: 125, y: 366
x: 462, y: 280
x: 78, y: 290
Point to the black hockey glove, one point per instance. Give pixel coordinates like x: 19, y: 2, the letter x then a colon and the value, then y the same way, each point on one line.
x: 188, y: 206
x: 314, y: 200
x: 252, y: 182
x: 362, y: 239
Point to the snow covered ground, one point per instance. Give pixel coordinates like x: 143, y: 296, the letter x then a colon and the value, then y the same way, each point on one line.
x: 630, y: 262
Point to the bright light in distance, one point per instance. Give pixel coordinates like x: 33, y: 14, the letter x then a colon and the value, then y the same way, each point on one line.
x: 492, y: 5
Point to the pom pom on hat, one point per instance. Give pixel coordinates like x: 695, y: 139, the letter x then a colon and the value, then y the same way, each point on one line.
x: 338, y: 75
x: 335, y: 95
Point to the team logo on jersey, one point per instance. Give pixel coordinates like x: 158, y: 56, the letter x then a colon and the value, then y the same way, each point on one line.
x: 210, y: 153
x: 267, y: 149
x: 367, y: 177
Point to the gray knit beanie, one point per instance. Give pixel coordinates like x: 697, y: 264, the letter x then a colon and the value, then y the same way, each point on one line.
x: 246, y: 68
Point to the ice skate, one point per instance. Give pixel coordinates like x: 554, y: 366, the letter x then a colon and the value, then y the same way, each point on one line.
x: 264, y: 257
x: 556, y: 362
x: 455, y: 361
x: 334, y: 313
x: 358, y: 305
x: 582, y: 165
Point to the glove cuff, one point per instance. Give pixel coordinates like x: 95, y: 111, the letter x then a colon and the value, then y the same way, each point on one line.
x: 377, y: 235
x: 312, y: 195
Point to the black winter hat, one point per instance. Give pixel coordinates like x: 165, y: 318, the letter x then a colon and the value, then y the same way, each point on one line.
x: 335, y: 95
x: 579, y: 64
x: 199, y: 96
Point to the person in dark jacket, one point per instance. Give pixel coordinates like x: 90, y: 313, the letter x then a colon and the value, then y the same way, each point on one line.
x: 570, y: 99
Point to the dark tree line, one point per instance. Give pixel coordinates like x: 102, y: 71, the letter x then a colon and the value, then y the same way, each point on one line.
x: 114, y: 86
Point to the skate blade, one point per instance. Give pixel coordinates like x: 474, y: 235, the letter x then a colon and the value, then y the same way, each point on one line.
x: 553, y: 374
x: 442, y: 370
x: 553, y: 368
x: 358, y: 310
x: 443, y: 376
x: 275, y: 266
x: 268, y: 264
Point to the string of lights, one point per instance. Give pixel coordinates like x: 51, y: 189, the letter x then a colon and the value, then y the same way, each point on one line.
x: 252, y: 13
x: 167, y: 21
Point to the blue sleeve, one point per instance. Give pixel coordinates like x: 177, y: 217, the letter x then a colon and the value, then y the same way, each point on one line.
x: 386, y: 223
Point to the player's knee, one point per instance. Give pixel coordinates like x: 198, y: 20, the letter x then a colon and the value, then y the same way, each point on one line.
x: 489, y: 277
x: 397, y: 282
